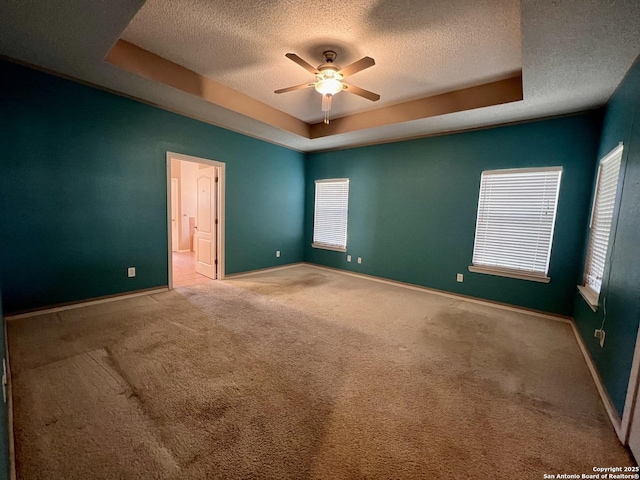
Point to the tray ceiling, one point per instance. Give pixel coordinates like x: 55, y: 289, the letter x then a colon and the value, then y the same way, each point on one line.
x: 421, y: 48
x: 572, y: 55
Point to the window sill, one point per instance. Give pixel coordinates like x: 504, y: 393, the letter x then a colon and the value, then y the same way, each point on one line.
x: 329, y: 247
x: 509, y: 274
x: 589, y: 296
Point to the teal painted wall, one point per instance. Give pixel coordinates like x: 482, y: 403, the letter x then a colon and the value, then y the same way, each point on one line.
x: 413, y: 205
x: 83, y: 191
x: 83, y: 196
x: 621, y: 281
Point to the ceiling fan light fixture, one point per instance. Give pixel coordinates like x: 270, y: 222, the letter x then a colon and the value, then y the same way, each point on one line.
x: 329, y: 86
x: 329, y: 79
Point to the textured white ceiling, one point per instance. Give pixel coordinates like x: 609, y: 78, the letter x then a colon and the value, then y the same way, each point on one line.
x: 574, y: 54
x: 421, y: 47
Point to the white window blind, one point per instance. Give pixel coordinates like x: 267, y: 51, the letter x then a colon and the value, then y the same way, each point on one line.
x: 516, y: 217
x: 601, y: 218
x: 330, y: 217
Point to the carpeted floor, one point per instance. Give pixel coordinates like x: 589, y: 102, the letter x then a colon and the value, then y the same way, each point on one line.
x: 302, y: 373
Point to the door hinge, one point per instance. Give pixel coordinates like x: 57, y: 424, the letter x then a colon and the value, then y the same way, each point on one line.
x: 216, y: 262
x: 216, y: 179
x: 216, y: 221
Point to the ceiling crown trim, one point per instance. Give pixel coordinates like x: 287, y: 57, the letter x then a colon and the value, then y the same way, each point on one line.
x: 136, y: 60
x: 485, y: 95
x: 141, y: 62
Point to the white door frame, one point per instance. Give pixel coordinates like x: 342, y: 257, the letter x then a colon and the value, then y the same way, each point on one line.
x: 175, y: 237
x: 219, y: 206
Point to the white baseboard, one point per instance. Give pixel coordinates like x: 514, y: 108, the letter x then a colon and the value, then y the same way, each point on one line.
x: 12, y: 454
x: 233, y: 276
x: 456, y: 296
x: 12, y: 446
x: 606, y: 400
x: 86, y: 303
x: 604, y: 396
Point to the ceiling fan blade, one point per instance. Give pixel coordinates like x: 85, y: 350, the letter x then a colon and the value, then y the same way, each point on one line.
x: 297, y: 87
x: 302, y: 63
x: 374, y: 97
x: 358, y: 66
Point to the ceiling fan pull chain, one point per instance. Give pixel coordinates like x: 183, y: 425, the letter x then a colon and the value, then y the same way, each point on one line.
x: 326, y: 102
x: 326, y: 106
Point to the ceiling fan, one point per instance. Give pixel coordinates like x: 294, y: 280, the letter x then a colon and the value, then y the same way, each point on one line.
x: 329, y: 78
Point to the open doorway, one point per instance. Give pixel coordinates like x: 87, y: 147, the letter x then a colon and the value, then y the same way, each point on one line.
x: 195, y: 221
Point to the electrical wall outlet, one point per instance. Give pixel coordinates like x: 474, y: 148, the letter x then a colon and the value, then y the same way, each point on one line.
x: 131, y: 272
x: 348, y: 258
x: 277, y: 253
x: 359, y: 260
x: 459, y: 277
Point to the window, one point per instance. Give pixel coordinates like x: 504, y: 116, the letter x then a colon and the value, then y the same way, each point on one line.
x: 604, y: 201
x: 516, y: 217
x: 330, y: 217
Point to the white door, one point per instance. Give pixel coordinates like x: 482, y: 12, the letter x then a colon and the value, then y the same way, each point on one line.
x: 205, y: 237
x: 174, y: 215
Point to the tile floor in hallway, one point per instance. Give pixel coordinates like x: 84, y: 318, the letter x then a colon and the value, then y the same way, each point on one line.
x: 184, y: 270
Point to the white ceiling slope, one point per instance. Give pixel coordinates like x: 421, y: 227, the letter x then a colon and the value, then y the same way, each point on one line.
x: 572, y: 53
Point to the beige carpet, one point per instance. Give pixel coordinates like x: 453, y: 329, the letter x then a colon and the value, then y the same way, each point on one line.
x: 302, y: 373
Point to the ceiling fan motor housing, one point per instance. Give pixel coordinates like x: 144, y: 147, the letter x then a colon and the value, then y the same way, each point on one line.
x: 328, y: 75
x: 329, y: 69
x: 329, y: 56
